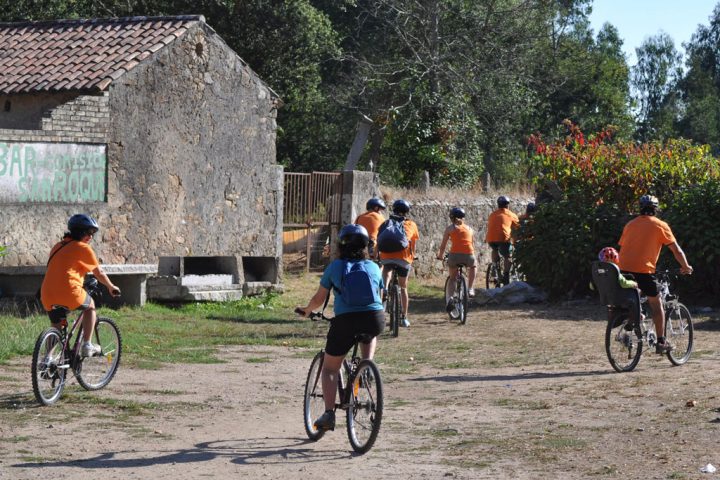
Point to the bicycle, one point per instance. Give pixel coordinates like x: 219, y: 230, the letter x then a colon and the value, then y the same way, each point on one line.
x: 55, y: 353
x: 625, y: 340
x: 394, y: 301
x: 360, y: 392
x: 460, y: 298
x: 494, y: 274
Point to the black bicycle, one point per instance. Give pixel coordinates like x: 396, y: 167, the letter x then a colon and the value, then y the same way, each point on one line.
x: 457, y: 303
x: 360, y: 393
x: 56, y: 353
x: 625, y: 340
x: 394, y: 301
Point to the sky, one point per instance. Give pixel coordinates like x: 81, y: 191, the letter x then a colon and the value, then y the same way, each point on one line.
x: 639, y: 19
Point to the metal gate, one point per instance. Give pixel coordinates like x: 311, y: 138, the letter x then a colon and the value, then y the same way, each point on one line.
x: 313, y: 202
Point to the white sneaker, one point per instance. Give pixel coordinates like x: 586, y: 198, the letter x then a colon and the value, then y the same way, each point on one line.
x: 90, y: 350
x: 471, y: 292
x: 405, y: 322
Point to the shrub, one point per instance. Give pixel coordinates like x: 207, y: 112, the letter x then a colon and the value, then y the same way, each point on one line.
x: 601, y: 181
x: 693, y: 216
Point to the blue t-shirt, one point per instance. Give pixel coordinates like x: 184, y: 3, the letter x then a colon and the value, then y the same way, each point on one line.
x: 332, y: 277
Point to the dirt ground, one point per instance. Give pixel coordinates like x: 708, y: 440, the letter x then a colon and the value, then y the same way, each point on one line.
x: 517, y: 393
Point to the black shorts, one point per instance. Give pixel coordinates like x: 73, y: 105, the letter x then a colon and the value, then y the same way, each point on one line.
x: 343, y: 328
x: 646, y: 282
x: 502, y: 247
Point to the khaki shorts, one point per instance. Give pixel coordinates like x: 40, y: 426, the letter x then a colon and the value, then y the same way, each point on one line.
x: 455, y: 259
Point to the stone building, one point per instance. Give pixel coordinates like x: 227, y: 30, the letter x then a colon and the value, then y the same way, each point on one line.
x: 154, y: 126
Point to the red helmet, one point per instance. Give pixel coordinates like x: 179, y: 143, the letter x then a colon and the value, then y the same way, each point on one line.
x: 609, y: 254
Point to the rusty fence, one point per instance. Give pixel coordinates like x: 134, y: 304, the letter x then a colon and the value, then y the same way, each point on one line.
x: 312, y: 213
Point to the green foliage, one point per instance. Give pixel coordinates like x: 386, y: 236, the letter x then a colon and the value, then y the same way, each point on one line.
x: 601, y: 181
x: 3, y: 250
x: 555, y: 248
x: 693, y: 215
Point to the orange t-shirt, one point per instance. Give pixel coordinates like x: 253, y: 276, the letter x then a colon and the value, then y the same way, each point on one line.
x: 500, y: 225
x: 408, y: 254
x: 641, y: 242
x: 371, y: 221
x: 63, y: 283
x: 461, y: 239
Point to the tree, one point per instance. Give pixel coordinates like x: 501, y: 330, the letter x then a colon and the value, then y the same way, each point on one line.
x: 654, y: 80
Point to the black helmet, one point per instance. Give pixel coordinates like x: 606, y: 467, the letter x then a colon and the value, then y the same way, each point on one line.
x: 375, y: 202
x: 354, y: 236
x: 531, y: 208
x: 400, y: 207
x: 648, y: 201
x: 503, y: 201
x: 81, y: 221
x: 457, y: 212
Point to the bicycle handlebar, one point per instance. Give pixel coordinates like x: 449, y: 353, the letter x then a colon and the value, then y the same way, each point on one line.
x: 314, y: 316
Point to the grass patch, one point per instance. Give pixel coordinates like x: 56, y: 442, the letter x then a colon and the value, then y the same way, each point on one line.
x: 258, y: 360
x: 515, y: 404
x: 15, y: 439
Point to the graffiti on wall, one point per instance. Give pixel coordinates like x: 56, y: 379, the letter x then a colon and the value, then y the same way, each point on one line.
x: 52, y: 172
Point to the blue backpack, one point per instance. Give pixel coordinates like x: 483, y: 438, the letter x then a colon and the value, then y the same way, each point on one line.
x: 357, y: 287
x: 392, y: 236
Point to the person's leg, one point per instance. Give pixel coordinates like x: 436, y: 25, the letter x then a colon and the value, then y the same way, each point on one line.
x: 658, y: 315
x: 88, y: 321
x: 471, y: 277
x: 452, y: 273
x: 368, y: 349
x: 330, y: 373
x: 404, y: 297
x: 386, y: 270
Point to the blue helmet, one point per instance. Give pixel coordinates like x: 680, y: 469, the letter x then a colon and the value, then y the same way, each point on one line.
x: 354, y: 236
x: 503, y: 201
x: 457, y: 212
x: 400, y: 207
x: 648, y: 201
x: 531, y: 208
x: 375, y: 202
x: 81, y: 221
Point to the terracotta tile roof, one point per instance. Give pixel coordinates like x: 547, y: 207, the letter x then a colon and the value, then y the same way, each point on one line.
x: 81, y: 54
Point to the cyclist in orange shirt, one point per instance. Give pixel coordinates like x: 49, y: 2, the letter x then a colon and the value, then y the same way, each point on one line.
x: 402, y: 260
x: 462, y: 251
x: 501, y: 224
x: 640, y: 245
x: 62, y: 289
x: 371, y: 220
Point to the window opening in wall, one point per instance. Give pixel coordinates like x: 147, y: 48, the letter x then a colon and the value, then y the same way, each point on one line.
x: 199, y: 49
x: 7, y: 105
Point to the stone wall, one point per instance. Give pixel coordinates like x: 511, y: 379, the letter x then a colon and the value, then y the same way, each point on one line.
x: 190, y: 136
x: 432, y: 217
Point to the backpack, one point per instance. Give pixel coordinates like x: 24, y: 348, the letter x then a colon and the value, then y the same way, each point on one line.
x: 357, y: 287
x: 392, y: 236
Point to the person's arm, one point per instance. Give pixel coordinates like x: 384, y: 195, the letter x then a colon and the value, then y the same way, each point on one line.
x: 316, y: 301
x: 105, y: 280
x: 443, y: 244
x: 626, y: 282
x: 679, y: 255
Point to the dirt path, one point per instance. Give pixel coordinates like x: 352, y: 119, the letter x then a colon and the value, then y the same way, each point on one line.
x: 516, y: 393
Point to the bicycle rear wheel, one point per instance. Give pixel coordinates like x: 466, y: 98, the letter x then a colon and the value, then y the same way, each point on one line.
x: 493, y: 277
x: 364, y: 413
x: 94, y: 373
x: 623, y: 346
x: 454, y: 313
x: 462, y: 299
x: 49, y: 367
x: 679, y: 332
x: 313, y: 403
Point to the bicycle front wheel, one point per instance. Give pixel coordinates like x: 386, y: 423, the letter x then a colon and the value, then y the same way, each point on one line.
x: 313, y: 403
x: 364, y: 413
x: 623, y: 344
x: 492, y: 277
x: 94, y: 373
x: 462, y: 299
x: 49, y: 367
x: 679, y: 332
